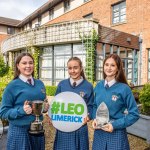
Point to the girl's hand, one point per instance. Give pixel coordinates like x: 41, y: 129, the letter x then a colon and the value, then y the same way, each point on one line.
x: 27, y: 108
x: 94, y: 124
x: 46, y: 106
x: 108, y: 127
x: 86, y: 119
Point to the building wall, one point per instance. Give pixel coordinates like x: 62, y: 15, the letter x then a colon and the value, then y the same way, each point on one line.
x: 3, y: 29
x: 58, y: 11
x: 3, y: 33
x: 137, y: 22
x: 2, y: 37
x: 45, y: 18
x: 34, y: 22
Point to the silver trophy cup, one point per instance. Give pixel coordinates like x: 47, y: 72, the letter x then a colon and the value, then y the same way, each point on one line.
x: 36, y: 127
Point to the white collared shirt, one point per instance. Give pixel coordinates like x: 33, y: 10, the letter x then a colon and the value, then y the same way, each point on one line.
x: 25, y: 79
x: 77, y: 82
x: 110, y: 83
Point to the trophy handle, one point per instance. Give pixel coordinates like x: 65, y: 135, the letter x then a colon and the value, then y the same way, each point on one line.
x: 44, y: 102
x: 30, y: 103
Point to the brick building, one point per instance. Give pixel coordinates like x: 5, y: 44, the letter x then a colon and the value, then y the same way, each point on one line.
x: 7, y: 27
x: 122, y: 27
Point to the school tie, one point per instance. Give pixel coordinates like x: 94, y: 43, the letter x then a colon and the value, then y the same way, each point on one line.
x: 29, y: 81
x: 74, y: 84
x: 107, y: 86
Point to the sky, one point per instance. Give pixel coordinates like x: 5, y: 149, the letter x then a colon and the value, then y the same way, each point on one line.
x: 19, y: 9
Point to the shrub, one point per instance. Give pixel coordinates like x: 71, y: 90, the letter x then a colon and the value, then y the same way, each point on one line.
x: 3, y: 67
x: 50, y: 90
x: 144, y: 99
x: 8, y: 77
x: 4, y: 81
x: 136, y: 93
x: 2, y: 87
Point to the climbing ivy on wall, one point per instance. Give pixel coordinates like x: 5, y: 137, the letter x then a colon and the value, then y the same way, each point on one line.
x: 35, y: 51
x: 36, y: 55
x: 90, y: 42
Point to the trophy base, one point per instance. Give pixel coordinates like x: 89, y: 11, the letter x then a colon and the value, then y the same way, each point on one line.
x: 36, y: 128
x: 100, y: 126
x: 37, y: 132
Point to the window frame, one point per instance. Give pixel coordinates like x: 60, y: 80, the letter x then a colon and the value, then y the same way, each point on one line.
x: 66, y: 5
x: 88, y: 16
x: 118, y: 14
x: 85, y: 1
x: 148, y: 64
x: 51, y: 14
x: 39, y: 20
x: 10, y: 30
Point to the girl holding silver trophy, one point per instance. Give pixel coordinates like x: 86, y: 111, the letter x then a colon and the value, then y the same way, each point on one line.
x: 16, y: 108
x: 112, y: 97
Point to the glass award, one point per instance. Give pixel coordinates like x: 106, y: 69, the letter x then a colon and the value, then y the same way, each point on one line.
x: 102, y: 115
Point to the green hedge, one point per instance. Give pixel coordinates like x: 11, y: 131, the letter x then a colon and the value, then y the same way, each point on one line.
x: 50, y: 90
x: 144, y: 98
x: 2, y: 88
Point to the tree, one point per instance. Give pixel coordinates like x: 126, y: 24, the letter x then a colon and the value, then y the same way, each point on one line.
x: 3, y: 67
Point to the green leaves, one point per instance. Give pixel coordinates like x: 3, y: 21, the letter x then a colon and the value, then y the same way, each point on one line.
x: 145, y: 98
x: 35, y: 51
x: 50, y: 90
x: 90, y: 42
x: 3, y: 67
x: 36, y: 61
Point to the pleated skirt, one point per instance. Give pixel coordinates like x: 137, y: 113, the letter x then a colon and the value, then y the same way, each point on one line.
x: 117, y: 140
x: 19, y: 139
x: 76, y: 140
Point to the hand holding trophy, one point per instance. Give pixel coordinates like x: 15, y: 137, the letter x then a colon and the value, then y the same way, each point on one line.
x: 102, y: 116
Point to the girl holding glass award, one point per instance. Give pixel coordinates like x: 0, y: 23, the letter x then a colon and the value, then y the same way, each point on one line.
x: 15, y: 106
x: 112, y: 97
x: 75, y: 140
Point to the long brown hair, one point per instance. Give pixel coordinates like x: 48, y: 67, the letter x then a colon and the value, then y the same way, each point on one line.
x: 80, y: 63
x: 18, y: 59
x: 120, y: 76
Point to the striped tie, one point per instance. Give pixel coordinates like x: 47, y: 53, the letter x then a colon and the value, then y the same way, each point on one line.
x: 29, y: 81
x: 74, y: 84
x: 107, y: 86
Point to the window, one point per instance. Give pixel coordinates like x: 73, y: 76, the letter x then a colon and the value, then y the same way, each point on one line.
x: 30, y: 25
x: 51, y: 14
x: 53, y: 61
x: 39, y: 20
x: 10, y: 30
x: 37, y: 25
x: 119, y: 12
x: 148, y: 64
x: 88, y: 16
x: 128, y: 56
x: 66, y: 5
x: 85, y: 0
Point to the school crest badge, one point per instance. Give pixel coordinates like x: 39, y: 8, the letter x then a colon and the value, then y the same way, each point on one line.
x: 114, y: 97
x: 82, y: 94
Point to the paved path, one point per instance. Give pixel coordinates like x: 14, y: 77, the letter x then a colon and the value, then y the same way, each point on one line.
x: 3, y: 141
